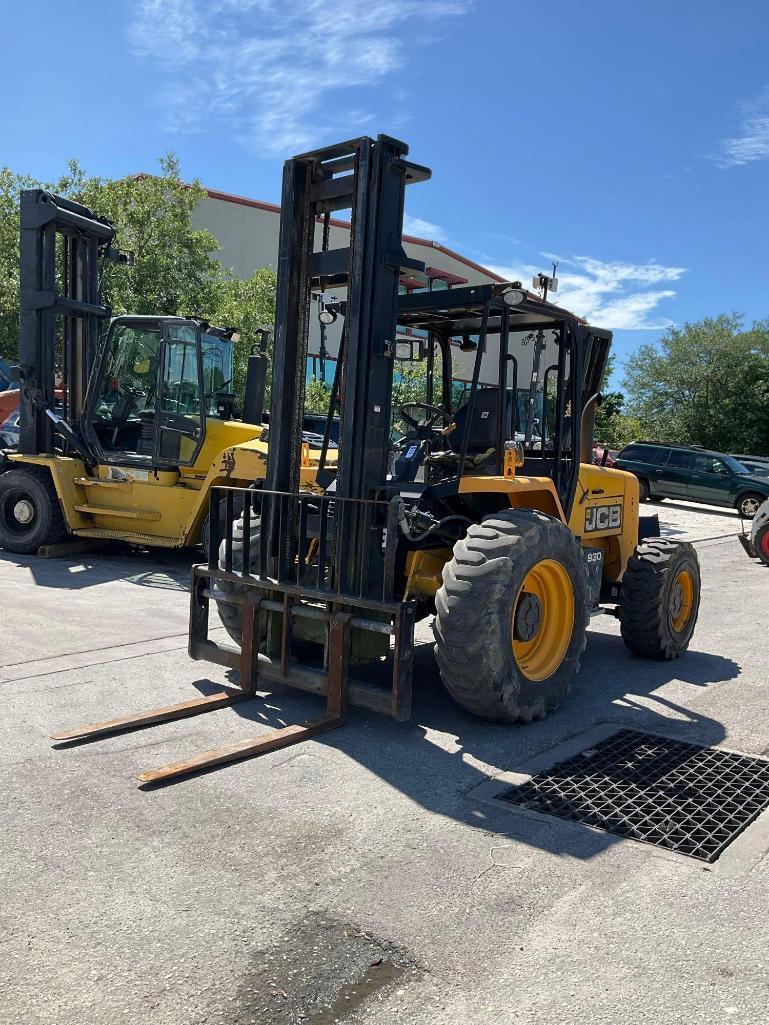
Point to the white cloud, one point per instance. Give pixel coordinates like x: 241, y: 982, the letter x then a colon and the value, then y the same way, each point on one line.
x: 423, y: 229
x: 752, y: 143
x: 614, y: 295
x: 267, y: 67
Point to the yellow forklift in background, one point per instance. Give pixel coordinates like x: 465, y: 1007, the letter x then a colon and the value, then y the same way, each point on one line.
x: 142, y: 425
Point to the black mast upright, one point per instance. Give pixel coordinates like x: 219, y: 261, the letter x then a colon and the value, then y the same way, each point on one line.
x: 61, y: 243
x: 367, y: 177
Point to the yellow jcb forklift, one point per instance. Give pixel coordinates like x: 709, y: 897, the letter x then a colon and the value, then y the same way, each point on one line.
x: 509, y: 537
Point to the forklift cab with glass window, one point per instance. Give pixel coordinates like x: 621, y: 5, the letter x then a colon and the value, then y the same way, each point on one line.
x: 158, y: 380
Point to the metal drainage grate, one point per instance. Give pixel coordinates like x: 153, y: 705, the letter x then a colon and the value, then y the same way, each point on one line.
x: 690, y: 799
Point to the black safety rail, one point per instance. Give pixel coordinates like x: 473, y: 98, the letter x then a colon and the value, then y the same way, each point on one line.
x: 305, y: 579
x: 320, y: 528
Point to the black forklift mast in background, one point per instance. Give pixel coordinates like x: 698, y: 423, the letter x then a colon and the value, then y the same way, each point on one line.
x: 62, y: 245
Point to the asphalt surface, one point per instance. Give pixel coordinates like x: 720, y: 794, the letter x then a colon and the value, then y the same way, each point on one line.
x: 360, y: 877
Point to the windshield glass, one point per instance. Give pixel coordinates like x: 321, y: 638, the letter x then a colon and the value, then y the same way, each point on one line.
x: 734, y: 465
x: 129, y: 375
x: 532, y: 375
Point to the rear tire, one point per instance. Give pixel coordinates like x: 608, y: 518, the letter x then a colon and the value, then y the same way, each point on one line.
x: 30, y: 513
x: 502, y: 655
x: 761, y: 544
x: 660, y: 598
x: 749, y: 504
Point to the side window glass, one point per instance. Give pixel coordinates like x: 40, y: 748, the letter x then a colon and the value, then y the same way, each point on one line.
x: 679, y: 459
x: 217, y: 370
x: 709, y: 464
x: 180, y: 413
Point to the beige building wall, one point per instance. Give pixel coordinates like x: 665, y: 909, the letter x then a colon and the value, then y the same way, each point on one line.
x: 248, y: 232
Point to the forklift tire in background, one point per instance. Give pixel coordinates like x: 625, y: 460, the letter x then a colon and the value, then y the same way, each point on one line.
x: 204, y: 530
x: 511, y: 616
x: 660, y: 598
x: 231, y: 615
x: 30, y: 513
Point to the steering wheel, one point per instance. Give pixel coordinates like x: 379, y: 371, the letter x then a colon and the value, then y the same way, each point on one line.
x: 408, y: 408
x: 128, y: 389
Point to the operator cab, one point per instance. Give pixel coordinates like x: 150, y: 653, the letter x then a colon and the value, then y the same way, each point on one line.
x: 508, y: 374
x: 156, y: 383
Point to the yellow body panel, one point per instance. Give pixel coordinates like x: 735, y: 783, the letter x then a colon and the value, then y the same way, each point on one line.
x: 523, y: 492
x: 64, y: 471
x: 595, y: 518
x: 169, y: 505
x: 424, y: 570
x: 601, y: 486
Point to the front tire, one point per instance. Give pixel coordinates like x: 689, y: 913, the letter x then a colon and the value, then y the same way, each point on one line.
x: 748, y: 505
x: 644, y: 491
x: 660, y: 598
x: 30, y: 514
x: 511, y: 616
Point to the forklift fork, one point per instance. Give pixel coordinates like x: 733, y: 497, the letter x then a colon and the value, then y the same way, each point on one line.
x: 336, y: 704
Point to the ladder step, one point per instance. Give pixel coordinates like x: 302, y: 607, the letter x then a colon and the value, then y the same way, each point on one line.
x: 123, y: 514
x: 155, y: 540
x: 98, y: 482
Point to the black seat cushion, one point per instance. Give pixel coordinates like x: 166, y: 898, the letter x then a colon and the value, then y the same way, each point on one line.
x: 481, y: 428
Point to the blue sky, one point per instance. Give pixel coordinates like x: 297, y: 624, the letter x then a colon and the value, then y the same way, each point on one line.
x: 631, y: 141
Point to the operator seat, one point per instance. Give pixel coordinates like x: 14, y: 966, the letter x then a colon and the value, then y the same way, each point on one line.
x: 480, y: 430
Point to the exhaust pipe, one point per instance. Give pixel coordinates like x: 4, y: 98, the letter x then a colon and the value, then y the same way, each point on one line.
x: 256, y: 380
x: 587, y: 428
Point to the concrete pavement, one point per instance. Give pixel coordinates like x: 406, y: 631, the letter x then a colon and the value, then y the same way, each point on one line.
x: 357, y: 878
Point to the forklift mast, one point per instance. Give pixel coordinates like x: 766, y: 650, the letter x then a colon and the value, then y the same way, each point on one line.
x: 61, y: 247
x: 369, y: 178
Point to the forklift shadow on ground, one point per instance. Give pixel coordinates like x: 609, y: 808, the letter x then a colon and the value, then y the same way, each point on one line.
x: 699, y: 510
x: 442, y: 754
x: 163, y: 569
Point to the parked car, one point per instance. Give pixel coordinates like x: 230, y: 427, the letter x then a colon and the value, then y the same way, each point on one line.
x: 9, y: 431
x: 603, y: 456
x: 758, y: 465
x: 695, y: 475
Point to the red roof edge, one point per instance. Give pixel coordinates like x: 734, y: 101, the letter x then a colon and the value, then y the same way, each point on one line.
x: 229, y: 197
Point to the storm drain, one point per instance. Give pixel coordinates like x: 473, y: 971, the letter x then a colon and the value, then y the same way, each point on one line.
x: 686, y: 798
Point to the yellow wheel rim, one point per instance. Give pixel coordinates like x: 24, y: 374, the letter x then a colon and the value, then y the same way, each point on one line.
x: 681, y: 601
x: 546, y: 621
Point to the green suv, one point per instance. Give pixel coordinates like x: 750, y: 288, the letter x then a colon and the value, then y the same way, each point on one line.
x: 693, y: 474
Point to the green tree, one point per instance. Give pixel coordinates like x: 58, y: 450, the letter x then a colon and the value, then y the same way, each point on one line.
x: 705, y: 383
x: 317, y: 396
x: 247, y: 304
x: 175, y: 270
x: 610, y: 424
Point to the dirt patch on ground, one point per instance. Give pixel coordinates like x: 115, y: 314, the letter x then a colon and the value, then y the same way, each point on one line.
x: 320, y: 972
